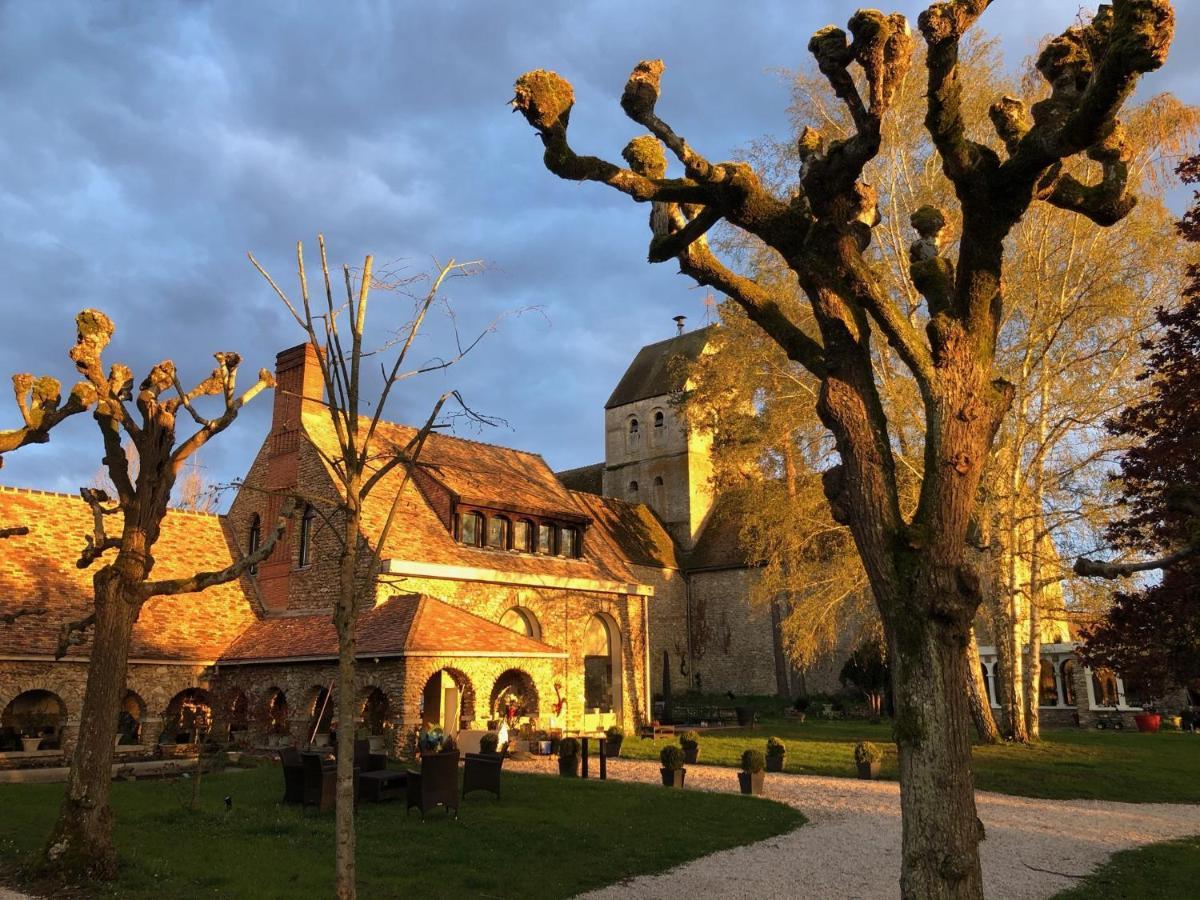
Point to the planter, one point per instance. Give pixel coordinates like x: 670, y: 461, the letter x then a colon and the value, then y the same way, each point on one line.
x: 751, y: 782
x: 673, y: 777
x: 745, y: 716
x: 1148, y: 722
x: 613, y: 747
x: 691, y: 754
x: 30, y: 744
x: 568, y: 766
x: 776, y: 763
x: 868, y: 771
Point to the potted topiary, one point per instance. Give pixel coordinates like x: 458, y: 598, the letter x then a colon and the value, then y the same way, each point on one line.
x: 751, y: 777
x: 867, y: 756
x: 614, y: 737
x: 568, y: 757
x: 776, y: 754
x: 672, y: 769
x: 690, y: 742
x: 489, y: 742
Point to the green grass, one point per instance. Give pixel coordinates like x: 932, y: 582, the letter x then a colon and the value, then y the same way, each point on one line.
x: 1066, y: 764
x: 549, y: 835
x: 1167, y: 870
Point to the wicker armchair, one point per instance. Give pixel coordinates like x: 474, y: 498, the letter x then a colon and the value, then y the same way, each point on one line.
x: 293, y: 775
x: 481, y: 772
x: 320, y: 781
x: 435, y: 785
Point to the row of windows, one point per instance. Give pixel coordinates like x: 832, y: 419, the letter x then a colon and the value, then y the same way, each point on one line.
x: 304, y: 537
x: 633, y: 485
x: 659, y: 421
x: 521, y: 535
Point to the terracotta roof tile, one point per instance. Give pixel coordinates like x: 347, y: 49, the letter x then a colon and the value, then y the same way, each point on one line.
x: 632, y: 529
x: 38, y: 570
x: 404, y: 624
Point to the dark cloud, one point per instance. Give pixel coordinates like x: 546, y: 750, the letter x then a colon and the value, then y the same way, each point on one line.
x: 146, y: 148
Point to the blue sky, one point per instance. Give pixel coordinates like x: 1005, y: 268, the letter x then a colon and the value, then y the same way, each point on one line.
x: 147, y: 147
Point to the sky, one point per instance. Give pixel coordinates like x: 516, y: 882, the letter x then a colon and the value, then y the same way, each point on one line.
x: 147, y: 147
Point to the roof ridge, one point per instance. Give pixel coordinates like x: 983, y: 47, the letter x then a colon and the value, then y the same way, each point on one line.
x: 579, y: 469
x: 452, y: 437
x: 676, y: 337
x: 42, y: 492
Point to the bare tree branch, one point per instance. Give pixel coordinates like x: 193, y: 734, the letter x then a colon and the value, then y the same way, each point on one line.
x: 1094, y: 568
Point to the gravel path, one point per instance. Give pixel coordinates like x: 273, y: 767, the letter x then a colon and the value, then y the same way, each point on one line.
x: 851, y: 846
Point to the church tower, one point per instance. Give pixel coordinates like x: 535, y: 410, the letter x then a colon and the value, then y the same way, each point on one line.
x: 650, y: 456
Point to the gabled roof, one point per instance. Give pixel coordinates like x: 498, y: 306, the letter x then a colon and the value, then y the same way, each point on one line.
x: 631, y: 529
x: 653, y: 372
x: 38, y: 570
x: 484, y: 474
x: 407, y: 625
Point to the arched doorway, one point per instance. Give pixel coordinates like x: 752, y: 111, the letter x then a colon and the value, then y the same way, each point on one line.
x: 447, y: 700
x: 188, y: 717
x: 514, y: 696
x: 321, y: 707
x: 236, y: 713
x: 373, y: 714
x: 601, y: 667
x: 33, y: 720
x: 129, y: 719
x: 275, y: 715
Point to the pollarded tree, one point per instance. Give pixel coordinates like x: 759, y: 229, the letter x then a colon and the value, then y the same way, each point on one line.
x: 81, y: 842
x: 927, y: 597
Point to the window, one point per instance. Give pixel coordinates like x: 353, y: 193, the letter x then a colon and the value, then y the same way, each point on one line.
x: 470, y: 526
x: 1068, y: 681
x: 306, y: 523
x: 633, y: 437
x: 1048, y: 695
x: 520, y: 535
x: 633, y: 488
x: 545, y: 539
x: 633, y: 426
x: 255, y: 540
x: 497, y: 533
x: 659, y: 419
x: 597, y: 666
x: 1104, y: 687
x: 567, y: 540
x: 522, y: 621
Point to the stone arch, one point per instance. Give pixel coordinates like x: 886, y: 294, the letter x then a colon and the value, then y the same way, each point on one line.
x: 373, y: 708
x: 519, y: 684
x: 131, y: 715
x: 522, y: 620
x: 434, y: 696
x: 602, y: 664
x: 274, y: 711
x: 320, y: 706
x: 35, y: 714
x: 187, y: 717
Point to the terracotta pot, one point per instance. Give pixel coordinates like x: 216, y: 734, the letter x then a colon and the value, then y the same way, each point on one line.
x: 751, y: 782
x: 1148, y: 722
x: 868, y: 771
x: 673, y: 777
x: 30, y: 744
x: 776, y: 763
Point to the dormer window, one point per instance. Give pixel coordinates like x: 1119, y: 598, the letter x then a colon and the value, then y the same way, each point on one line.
x: 497, y: 533
x: 567, y: 542
x: 470, y: 528
x: 521, y: 530
x: 255, y: 540
x: 304, y: 556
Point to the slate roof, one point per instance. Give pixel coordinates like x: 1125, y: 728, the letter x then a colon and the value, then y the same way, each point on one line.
x: 589, y: 479
x: 652, y: 374
x: 38, y: 570
x: 403, y: 625
x: 719, y: 546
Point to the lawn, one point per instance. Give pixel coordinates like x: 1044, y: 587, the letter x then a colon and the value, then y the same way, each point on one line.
x: 549, y: 836
x: 1168, y: 870
x: 1067, y: 764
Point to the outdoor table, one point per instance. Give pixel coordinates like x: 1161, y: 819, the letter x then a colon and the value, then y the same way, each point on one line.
x: 603, y: 747
x: 383, y: 784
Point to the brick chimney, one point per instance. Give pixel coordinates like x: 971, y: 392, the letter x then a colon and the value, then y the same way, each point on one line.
x: 299, y: 388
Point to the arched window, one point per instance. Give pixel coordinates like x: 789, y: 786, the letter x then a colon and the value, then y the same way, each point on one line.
x: 633, y: 426
x: 306, y: 523
x: 521, y: 530
x: 633, y: 489
x: 598, y: 669
x: 1068, y: 681
x: 255, y: 539
x: 567, y: 542
x: 470, y: 528
x: 545, y: 539
x: 1048, y: 695
x: 659, y: 419
x: 633, y: 437
x: 1104, y: 687
x: 522, y: 621
x: 497, y: 532
x: 658, y: 493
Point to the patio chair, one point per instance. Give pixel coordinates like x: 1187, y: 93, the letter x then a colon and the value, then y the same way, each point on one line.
x: 365, y: 760
x: 481, y: 772
x: 293, y: 775
x: 435, y: 785
x: 320, y: 781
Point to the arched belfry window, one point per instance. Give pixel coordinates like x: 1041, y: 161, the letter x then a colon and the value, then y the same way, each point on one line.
x: 306, y: 526
x: 659, y: 419
x: 633, y: 489
x: 633, y: 437
x: 633, y: 426
x: 255, y: 539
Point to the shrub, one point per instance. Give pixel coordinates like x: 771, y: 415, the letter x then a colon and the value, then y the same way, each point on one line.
x: 614, y: 731
x: 776, y: 747
x: 489, y: 742
x: 568, y: 747
x: 689, y: 739
x: 801, y: 704
x: 753, y: 761
x: 865, y: 752
x: 671, y: 757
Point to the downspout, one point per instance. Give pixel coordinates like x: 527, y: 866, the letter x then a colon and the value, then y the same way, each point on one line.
x: 687, y: 610
x: 646, y: 715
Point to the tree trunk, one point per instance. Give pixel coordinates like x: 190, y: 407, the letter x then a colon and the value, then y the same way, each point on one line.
x: 782, y: 686
x: 345, y: 618
x: 977, y: 695
x: 81, y: 842
x: 941, y: 830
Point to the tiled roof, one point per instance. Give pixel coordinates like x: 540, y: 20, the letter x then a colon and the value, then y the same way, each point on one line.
x: 38, y: 570
x: 402, y: 625
x: 487, y: 473
x: 588, y: 479
x: 631, y: 529
x: 720, y: 544
x: 652, y: 373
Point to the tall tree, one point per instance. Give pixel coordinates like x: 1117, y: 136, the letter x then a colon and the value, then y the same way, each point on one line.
x: 926, y: 596
x: 81, y: 842
x: 363, y: 461
x: 1152, y: 635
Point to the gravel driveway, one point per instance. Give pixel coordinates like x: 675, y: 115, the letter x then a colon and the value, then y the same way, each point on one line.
x: 851, y: 846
